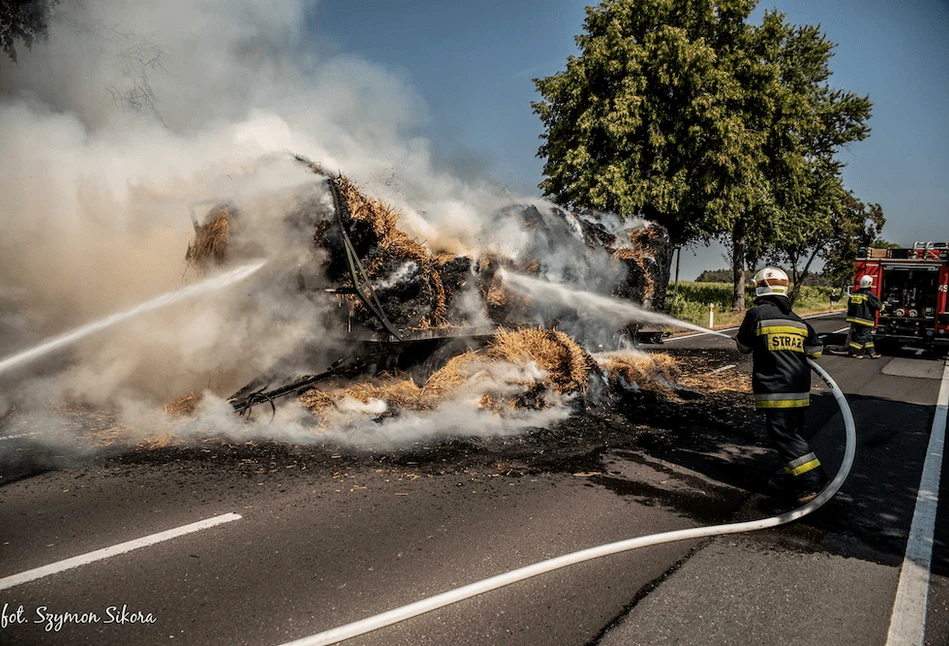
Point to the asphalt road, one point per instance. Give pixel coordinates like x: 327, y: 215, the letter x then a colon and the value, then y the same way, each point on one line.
x: 317, y: 548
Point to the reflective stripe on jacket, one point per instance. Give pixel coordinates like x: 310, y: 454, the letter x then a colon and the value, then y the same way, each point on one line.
x: 862, y: 307
x: 781, y: 343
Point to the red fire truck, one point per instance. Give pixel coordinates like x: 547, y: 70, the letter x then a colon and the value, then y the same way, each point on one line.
x: 912, y: 283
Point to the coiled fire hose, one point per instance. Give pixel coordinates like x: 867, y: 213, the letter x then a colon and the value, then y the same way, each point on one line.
x: 397, y: 615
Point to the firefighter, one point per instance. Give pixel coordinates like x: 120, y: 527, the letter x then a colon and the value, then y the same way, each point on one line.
x: 780, y: 343
x: 861, y: 314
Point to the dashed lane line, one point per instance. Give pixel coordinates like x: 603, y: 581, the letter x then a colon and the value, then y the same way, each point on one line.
x: 106, y: 552
x: 908, y: 620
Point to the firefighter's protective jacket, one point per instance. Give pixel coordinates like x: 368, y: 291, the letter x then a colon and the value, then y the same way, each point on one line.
x: 781, y: 342
x: 862, y: 307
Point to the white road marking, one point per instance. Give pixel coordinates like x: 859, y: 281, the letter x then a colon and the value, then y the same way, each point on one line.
x: 908, y: 620
x: 106, y: 552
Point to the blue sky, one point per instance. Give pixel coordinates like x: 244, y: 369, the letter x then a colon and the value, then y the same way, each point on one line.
x: 472, y: 64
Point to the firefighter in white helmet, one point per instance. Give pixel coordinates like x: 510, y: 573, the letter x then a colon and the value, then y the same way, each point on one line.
x: 861, y: 314
x: 780, y: 343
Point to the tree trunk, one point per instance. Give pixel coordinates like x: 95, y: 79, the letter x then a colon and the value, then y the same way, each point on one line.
x: 663, y: 251
x: 739, y: 248
x: 802, y: 276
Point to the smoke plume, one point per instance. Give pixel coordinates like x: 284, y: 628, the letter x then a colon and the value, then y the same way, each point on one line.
x: 131, y: 111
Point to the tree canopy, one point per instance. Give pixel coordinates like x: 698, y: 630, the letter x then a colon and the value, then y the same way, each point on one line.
x: 686, y: 113
x: 833, y: 236
x: 23, y: 21
x: 853, y: 225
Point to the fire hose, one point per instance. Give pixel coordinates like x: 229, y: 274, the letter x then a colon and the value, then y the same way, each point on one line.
x: 397, y: 615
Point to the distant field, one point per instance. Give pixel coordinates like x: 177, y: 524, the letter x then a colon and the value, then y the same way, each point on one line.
x: 689, y: 301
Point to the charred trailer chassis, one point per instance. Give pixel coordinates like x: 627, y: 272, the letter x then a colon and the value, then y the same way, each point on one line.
x: 391, y: 349
x: 387, y: 347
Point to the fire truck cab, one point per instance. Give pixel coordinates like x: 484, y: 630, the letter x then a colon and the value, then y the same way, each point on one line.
x: 913, y: 284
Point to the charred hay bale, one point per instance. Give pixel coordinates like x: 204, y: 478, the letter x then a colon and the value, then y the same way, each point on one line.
x: 454, y: 273
x: 637, y: 283
x: 486, y: 375
x: 318, y: 401
x: 568, y: 366
x: 578, y: 247
x: 555, y: 236
x: 638, y: 371
x: 596, y: 234
x: 398, y: 393
x: 501, y: 305
x: 651, y: 257
x: 211, y: 240
x: 403, y: 272
x: 453, y: 374
x: 184, y: 406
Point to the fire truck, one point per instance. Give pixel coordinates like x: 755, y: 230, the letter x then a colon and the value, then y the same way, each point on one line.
x: 912, y: 283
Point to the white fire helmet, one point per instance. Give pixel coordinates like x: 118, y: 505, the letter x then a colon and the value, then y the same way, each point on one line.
x: 866, y: 281
x: 771, y: 281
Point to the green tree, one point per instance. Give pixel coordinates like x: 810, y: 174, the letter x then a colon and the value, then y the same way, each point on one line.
x: 643, y: 121
x: 23, y: 21
x: 684, y: 112
x: 718, y: 276
x: 812, y: 121
x: 854, y: 225
x: 834, y: 236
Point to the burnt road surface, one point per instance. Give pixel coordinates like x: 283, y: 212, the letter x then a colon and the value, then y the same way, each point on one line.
x: 324, y: 539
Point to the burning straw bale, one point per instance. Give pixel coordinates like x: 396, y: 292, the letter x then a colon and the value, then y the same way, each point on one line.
x: 211, y: 240
x: 646, y: 252
x: 638, y: 284
x: 400, y: 394
x: 416, y: 288
x: 567, y: 364
x: 405, y: 274
x: 184, y: 406
x: 454, y: 272
x: 567, y: 370
x: 501, y: 305
x: 453, y: 374
x: 640, y: 371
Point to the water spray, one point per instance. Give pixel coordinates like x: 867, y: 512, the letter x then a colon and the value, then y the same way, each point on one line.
x: 589, y: 304
x: 397, y: 615
x: 205, y: 286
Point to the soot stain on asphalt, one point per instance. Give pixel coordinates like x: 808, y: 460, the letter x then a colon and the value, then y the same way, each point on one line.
x: 699, y: 505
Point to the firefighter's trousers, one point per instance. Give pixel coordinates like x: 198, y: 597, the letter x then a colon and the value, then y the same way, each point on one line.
x: 861, y: 338
x: 787, y: 432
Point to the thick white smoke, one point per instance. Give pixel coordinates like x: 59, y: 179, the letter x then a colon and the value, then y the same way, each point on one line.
x: 129, y: 111
x: 132, y: 110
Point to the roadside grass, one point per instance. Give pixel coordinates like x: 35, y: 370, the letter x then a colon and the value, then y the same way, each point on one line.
x: 689, y: 301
